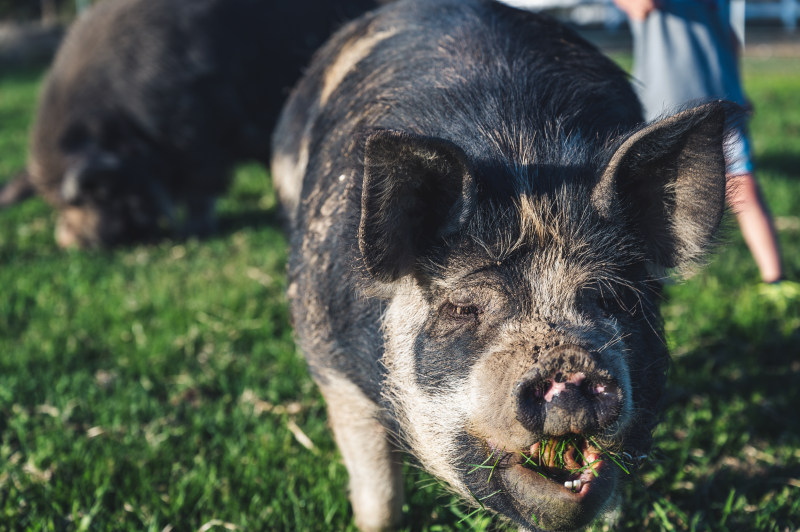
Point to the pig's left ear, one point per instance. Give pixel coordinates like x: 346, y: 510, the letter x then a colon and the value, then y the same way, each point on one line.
x: 669, y: 179
x: 416, y: 191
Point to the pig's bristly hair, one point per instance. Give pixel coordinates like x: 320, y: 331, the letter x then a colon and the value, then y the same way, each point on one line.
x: 537, y: 197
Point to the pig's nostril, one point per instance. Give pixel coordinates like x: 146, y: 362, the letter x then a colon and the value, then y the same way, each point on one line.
x: 538, y: 389
x: 545, y: 389
x: 567, y: 402
x: 593, y: 389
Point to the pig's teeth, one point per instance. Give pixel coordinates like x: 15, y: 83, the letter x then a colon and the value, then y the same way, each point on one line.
x: 573, y: 484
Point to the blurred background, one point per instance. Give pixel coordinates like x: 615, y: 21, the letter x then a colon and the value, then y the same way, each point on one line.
x: 29, y: 28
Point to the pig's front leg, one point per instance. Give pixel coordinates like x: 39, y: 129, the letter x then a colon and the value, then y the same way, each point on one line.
x: 373, y: 463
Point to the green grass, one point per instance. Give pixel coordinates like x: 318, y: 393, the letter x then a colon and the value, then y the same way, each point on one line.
x: 159, y: 386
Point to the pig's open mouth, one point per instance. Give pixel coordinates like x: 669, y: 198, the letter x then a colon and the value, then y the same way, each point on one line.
x: 573, y: 462
x: 563, y: 481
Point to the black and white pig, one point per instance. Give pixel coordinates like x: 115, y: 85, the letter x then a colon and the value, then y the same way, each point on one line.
x: 150, y: 103
x: 479, y: 223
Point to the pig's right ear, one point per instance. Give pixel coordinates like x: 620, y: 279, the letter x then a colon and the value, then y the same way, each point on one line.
x: 416, y: 191
x: 668, y: 179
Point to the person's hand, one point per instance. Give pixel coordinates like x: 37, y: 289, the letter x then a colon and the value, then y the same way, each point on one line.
x: 637, y: 9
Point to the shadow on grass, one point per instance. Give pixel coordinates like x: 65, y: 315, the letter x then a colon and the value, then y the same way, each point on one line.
x: 24, y: 72
x: 232, y: 222
x: 785, y: 163
x: 734, y: 404
x: 736, y: 369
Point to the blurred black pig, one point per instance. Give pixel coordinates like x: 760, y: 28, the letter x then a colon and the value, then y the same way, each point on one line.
x: 479, y: 223
x: 149, y: 104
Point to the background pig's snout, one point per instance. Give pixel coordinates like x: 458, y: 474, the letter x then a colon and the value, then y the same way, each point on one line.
x: 567, y: 392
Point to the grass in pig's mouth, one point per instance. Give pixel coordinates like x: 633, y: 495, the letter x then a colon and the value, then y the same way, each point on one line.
x: 571, y: 460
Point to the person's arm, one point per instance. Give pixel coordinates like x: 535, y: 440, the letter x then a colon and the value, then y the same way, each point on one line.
x: 637, y: 9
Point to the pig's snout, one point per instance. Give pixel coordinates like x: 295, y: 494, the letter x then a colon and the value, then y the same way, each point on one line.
x: 567, y: 392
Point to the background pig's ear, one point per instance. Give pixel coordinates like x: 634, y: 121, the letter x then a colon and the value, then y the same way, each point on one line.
x: 416, y: 191
x: 87, y: 173
x: 669, y: 179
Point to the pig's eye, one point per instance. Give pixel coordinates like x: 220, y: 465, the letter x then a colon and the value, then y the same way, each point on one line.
x: 462, y: 312
x: 616, y: 305
x: 604, y: 304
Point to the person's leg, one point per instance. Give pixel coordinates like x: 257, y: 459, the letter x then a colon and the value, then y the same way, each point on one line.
x: 756, y: 225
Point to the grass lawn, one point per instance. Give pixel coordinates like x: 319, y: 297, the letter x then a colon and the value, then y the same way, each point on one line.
x: 158, y: 387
